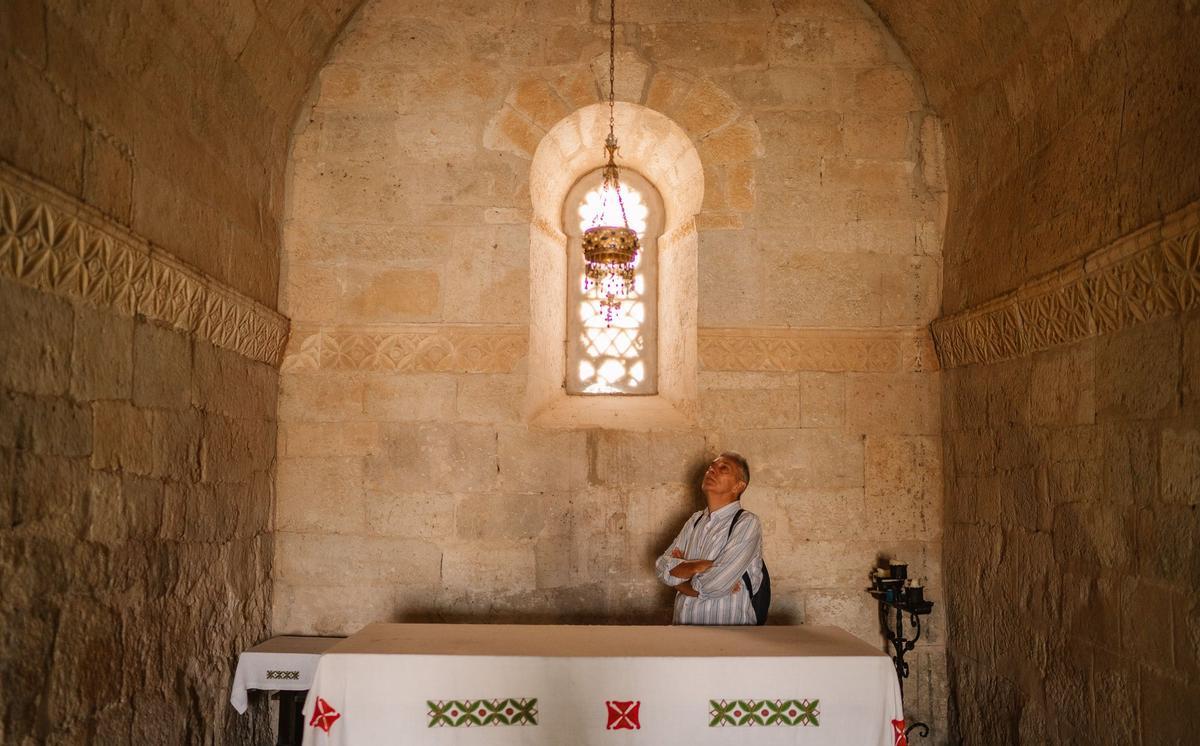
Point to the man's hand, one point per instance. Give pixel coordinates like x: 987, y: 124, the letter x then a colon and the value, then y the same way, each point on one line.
x: 677, y: 553
x: 687, y: 589
x: 688, y: 568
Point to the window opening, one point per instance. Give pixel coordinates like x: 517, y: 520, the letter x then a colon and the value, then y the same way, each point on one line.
x: 617, y: 357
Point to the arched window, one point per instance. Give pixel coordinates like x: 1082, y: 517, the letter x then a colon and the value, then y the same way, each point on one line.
x: 662, y: 164
x: 621, y: 356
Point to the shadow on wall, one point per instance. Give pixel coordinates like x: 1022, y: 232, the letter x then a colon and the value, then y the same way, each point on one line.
x: 591, y: 604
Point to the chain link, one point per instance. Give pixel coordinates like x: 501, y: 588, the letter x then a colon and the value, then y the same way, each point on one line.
x: 611, y: 143
x: 612, y: 64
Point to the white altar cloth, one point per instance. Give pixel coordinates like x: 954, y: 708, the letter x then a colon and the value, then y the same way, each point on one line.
x: 280, y: 663
x: 516, y: 684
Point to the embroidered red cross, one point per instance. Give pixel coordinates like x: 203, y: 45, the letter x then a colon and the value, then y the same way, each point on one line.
x: 898, y: 732
x: 323, y: 715
x: 623, y: 715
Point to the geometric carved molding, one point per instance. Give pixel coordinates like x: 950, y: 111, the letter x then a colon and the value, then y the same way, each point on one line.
x: 56, y: 244
x: 447, y: 348
x: 809, y: 349
x: 1150, y: 274
x: 408, y: 348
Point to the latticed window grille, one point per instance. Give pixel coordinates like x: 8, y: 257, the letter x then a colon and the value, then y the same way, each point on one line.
x: 618, y: 357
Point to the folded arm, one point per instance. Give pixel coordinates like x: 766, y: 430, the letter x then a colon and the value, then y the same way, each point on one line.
x: 687, y: 568
x: 734, y: 559
x: 672, y: 559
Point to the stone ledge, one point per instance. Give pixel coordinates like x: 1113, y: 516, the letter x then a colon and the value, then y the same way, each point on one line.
x: 1149, y: 274
x: 456, y: 348
x: 817, y: 349
x: 57, y: 244
x: 409, y: 348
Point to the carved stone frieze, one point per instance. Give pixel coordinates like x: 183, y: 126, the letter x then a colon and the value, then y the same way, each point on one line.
x: 1151, y: 274
x: 498, y: 349
x: 861, y: 350
x: 408, y: 349
x: 54, y: 243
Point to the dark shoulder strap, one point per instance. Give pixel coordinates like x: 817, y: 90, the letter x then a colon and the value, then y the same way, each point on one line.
x: 733, y: 523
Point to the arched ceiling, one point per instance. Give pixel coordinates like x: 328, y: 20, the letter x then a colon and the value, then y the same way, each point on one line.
x: 1093, y: 99
x: 958, y: 44
x: 943, y: 37
x: 178, y: 114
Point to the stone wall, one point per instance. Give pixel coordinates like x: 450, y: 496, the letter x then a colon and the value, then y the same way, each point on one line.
x: 1072, y: 490
x: 172, y: 118
x: 137, y: 379
x: 411, y: 484
x: 1072, y: 450
x: 1070, y: 125
x: 136, y: 450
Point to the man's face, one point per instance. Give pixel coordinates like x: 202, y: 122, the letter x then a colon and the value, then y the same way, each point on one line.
x: 722, y: 476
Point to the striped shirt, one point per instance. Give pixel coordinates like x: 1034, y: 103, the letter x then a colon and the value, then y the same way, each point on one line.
x: 706, y: 536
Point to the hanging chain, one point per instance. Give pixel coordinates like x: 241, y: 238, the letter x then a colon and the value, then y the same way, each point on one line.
x: 612, y: 65
x: 610, y: 145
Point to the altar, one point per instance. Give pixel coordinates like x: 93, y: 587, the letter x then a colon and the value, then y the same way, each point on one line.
x: 527, y: 684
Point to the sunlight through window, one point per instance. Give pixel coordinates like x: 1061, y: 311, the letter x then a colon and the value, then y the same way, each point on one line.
x: 616, y: 357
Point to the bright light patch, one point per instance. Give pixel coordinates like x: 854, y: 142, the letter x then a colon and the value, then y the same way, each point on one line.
x: 610, y: 210
x: 612, y: 352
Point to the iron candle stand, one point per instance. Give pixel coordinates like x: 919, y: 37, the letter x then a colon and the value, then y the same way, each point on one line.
x: 894, y: 633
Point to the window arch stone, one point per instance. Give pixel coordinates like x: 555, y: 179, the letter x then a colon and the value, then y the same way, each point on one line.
x: 658, y: 149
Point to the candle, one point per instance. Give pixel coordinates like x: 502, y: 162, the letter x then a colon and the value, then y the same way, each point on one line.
x: 915, y: 594
x: 899, y: 570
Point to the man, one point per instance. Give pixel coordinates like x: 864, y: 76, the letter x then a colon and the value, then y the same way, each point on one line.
x: 705, y: 563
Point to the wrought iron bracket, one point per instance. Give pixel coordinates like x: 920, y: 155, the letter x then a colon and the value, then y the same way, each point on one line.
x: 901, y: 643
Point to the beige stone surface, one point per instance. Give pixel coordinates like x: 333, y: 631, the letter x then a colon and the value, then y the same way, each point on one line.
x: 441, y: 457
x: 645, y: 459
x: 490, y: 398
x: 106, y: 496
x: 738, y: 142
x: 406, y: 199
x: 101, y: 356
x: 162, y: 363
x: 305, y: 558
x: 1179, y: 465
x: 810, y: 457
x: 409, y: 398
x: 414, y: 515
x: 725, y: 404
x: 822, y: 399
x: 320, y: 493
x: 1069, y: 481
x: 37, y: 341
x: 321, y: 396
x: 1062, y: 386
x: 482, y: 564
x: 907, y: 404
x: 804, y: 222
x: 907, y: 469
x: 532, y: 461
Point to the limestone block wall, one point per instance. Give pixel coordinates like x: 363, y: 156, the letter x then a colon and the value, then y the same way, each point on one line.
x: 137, y: 433
x: 172, y: 118
x: 1070, y: 405
x: 1072, y: 488
x: 142, y: 154
x: 411, y: 484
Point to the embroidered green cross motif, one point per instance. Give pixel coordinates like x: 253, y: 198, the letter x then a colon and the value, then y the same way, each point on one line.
x: 457, y: 713
x: 763, y: 712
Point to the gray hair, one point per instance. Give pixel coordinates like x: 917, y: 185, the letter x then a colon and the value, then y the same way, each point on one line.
x: 742, y: 463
